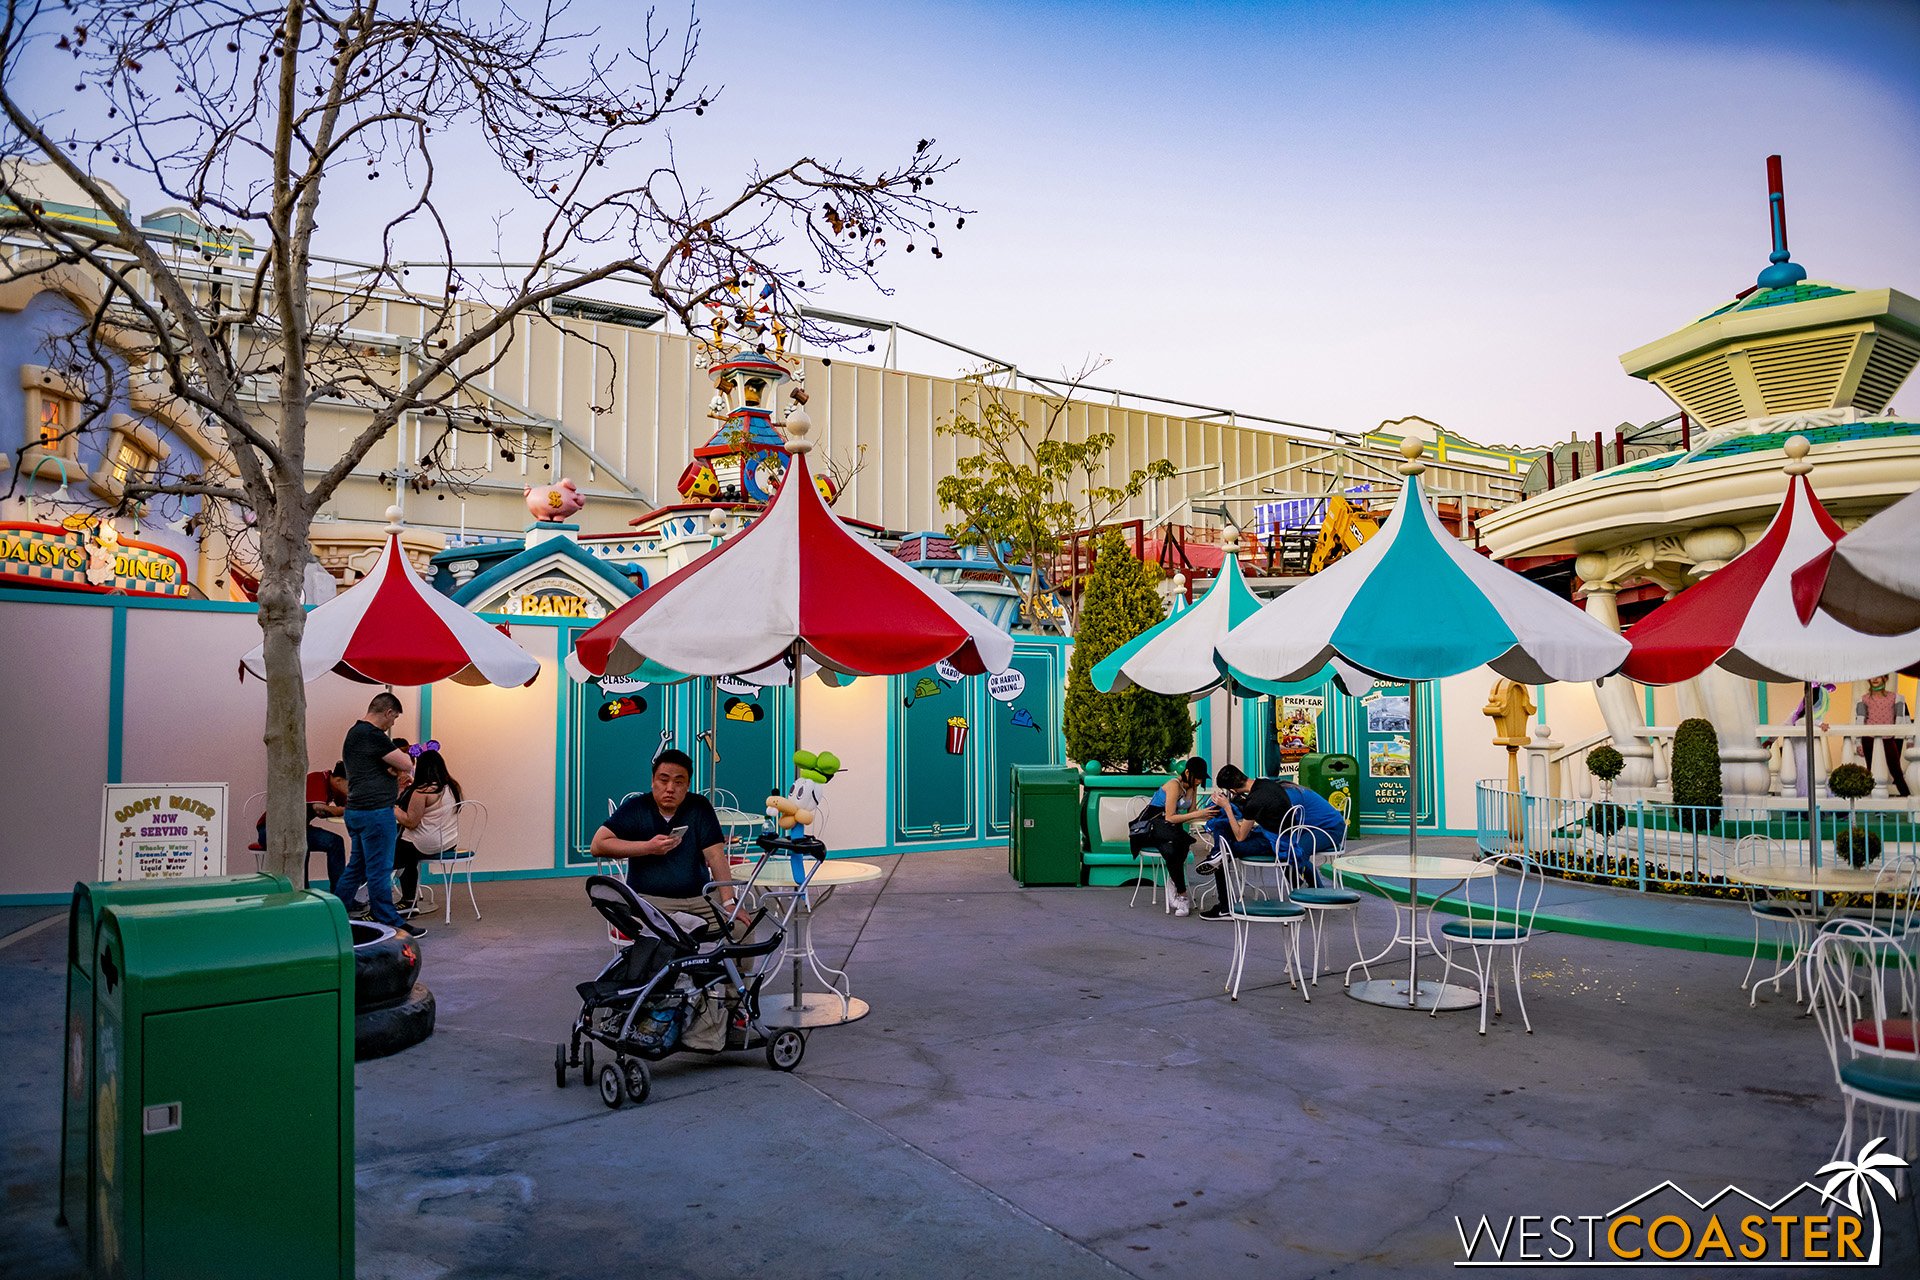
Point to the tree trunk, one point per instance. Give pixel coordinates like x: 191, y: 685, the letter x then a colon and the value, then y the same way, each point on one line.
x: 283, y: 550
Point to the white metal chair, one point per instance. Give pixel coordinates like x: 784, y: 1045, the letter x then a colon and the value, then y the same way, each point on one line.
x: 470, y: 820
x: 1323, y: 899
x: 1503, y: 920
x: 1246, y: 912
x: 250, y: 814
x: 1793, y: 917
x: 1863, y: 984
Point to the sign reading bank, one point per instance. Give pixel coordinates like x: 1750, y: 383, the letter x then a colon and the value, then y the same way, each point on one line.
x: 1835, y: 1225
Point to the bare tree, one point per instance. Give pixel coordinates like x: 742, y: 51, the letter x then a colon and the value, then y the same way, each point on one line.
x: 261, y: 119
x: 1027, y: 485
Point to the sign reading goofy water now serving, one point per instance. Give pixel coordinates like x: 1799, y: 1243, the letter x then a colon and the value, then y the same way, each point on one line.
x: 88, y: 559
x: 163, y: 831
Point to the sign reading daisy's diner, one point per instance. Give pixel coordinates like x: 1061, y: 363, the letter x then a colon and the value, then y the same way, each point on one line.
x: 88, y: 559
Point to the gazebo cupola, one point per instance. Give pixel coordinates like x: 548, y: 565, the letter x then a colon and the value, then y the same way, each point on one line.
x: 745, y: 458
x: 1787, y: 345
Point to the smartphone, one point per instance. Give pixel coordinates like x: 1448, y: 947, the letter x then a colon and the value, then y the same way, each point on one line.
x: 676, y: 835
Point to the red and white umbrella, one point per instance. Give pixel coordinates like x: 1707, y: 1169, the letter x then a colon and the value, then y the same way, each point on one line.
x: 1743, y: 617
x: 1870, y: 579
x: 392, y: 628
x: 795, y: 585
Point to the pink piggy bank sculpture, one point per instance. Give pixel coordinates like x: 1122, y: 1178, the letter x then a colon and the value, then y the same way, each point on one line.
x: 554, y: 501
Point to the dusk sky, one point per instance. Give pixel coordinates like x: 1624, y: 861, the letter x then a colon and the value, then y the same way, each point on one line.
x: 1343, y: 213
x: 1332, y: 213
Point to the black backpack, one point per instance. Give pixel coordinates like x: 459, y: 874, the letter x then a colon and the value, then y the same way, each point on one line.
x: 1267, y: 804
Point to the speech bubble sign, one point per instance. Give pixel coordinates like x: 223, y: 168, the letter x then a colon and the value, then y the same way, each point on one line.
x: 737, y: 686
x: 620, y: 684
x: 1007, y: 685
x: 947, y: 671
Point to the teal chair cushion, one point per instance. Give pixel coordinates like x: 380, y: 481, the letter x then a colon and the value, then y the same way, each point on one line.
x: 451, y: 855
x: 1781, y: 910
x: 1483, y: 931
x: 1270, y: 910
x: 1326, y: 897
x: 1888, y: 1077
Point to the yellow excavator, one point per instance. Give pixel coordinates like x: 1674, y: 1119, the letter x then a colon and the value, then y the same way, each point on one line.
x: 1341, y: 530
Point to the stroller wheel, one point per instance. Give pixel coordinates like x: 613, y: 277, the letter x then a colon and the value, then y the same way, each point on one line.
x: 610, y: 1090
x: 785, y: 1049
x: 586, y: 1063
x: 639, y: 1081
x: 560, y: 1066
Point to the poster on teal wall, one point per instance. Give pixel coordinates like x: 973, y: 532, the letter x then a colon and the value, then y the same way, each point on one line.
x: 618, y: 725
x: 750, y: 726
x: 1020, y: 720
x: 935, y: 745
x: 1383, y: 744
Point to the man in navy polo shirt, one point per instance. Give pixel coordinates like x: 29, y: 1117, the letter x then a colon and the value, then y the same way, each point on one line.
x: 671, y: 840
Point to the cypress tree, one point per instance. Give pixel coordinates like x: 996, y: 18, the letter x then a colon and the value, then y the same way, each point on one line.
x: 1131, y: 730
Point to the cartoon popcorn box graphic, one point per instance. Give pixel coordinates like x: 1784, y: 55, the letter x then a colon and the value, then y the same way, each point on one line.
x: 956, y: 735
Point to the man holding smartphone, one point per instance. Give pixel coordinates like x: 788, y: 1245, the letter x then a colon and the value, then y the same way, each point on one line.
x: 671, y: 840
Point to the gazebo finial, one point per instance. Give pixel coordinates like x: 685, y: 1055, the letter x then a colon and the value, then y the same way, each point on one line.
x: 798, y: 424
x: 394, y: 523
x: 1797, y: 447
x: 1412, y: 449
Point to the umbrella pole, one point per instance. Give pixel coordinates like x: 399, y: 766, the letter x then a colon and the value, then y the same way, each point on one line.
x: 1813, y: 790
x: 1413, y: 838
x: 794, y: 657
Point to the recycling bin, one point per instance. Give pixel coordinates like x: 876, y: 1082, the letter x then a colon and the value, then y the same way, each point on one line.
x: 1328, y: 772
x: 223, y: 1094
x: 1043, y: 846
x: 76, y: 1107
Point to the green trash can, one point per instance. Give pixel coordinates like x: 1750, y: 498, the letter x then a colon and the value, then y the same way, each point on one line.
x: 223, y: 1068
x: 1043, y: 846
x: 1329, y: 772
x: 76, y: 1104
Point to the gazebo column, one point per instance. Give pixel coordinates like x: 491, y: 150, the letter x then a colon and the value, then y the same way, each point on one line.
x: 1724, y: 700
x: 1619, y: 702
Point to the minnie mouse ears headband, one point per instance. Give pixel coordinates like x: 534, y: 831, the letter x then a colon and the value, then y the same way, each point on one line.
x: 419, y: 747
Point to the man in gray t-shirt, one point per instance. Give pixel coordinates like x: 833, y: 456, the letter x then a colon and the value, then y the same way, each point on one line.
x: 376, y: 768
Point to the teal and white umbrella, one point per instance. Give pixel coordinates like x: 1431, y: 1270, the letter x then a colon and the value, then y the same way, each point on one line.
x: 1414, y: 603
x: 1179, y: 656
x: 1411, y: 604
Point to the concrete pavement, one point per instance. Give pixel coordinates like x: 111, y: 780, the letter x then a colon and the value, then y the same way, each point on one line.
x: 1052, y: 1084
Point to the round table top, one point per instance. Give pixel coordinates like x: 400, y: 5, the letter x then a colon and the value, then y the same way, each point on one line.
x: 739, y: 818
x: 1398, y: 866
x: 778, y: 871
x: 1798, y: 875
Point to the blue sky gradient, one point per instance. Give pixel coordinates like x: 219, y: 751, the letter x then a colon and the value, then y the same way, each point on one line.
x: 1342, y: 213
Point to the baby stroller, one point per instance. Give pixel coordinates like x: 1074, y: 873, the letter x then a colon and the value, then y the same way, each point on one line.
x: 641, y: 1005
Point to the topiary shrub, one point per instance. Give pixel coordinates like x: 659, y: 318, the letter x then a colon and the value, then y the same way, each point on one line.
x: 1696, y: 775
x: 1131, y: 730
x: 1606, y: 818
x: 1850, y: 782
x: 1606, y: 764
x: 1857, y: 845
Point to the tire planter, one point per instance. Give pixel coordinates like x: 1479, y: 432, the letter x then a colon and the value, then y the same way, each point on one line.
x: 379, y: 1032
x: 385, y: 966
x: 392, y: 1009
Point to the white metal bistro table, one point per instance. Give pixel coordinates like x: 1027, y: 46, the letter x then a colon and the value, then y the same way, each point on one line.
x: 795, y: 1006
x: 1412, y: 928
x: 1799, y: 877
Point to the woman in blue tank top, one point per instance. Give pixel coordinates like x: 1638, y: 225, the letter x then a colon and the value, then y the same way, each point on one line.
x: 1163, y: 824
